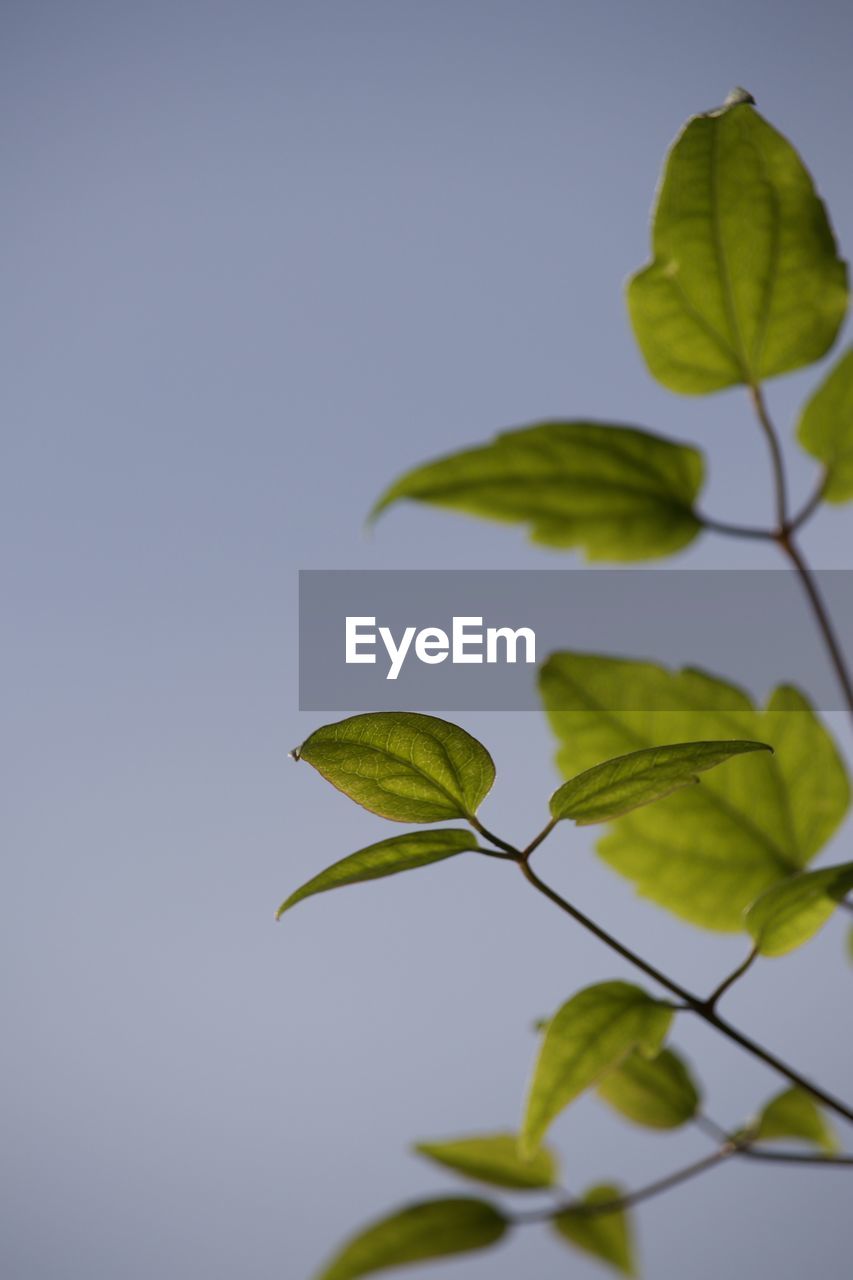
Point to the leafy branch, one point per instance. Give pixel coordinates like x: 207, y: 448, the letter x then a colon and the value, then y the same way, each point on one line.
x: 745, y: 283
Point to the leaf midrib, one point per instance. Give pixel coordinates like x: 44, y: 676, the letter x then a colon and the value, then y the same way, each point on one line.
x: 387, y: 753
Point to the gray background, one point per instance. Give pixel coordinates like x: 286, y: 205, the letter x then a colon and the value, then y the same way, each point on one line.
x: 257, y: 259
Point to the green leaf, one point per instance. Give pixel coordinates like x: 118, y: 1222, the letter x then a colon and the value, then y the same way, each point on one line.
x: 793, y: 1114
x: 850, y: 944
x: 745, y: 280
x: 657, y: 1092
x: 496, y: 1159
x: 789, y: 914
x: 385, y: 858
x: 616, y: 787
x: 705, y: 853
x: 616, y: 492
x: 592, y: 1032
x: 402, y: 765
x: 606, y: 1235
x: 826, y: 429
x: 431, y: 1229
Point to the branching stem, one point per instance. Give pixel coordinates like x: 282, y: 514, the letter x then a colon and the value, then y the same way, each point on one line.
x: 703, y: 1008
x: 728, y: 1148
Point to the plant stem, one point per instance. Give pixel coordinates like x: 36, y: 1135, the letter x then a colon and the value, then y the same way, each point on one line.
x: 737, y: 530
x: 650, y: 970
x: 784, y: 537
x: 808, y: 509
x: 702, y: 1008
x: 745, y: 1146
x: 821, y: 614
x: 509, y: 850
x: 776, y: 458
x: 793, y: 1157
x: 719, y: 991
x: 730, y: 1147
x: 584, y: 1209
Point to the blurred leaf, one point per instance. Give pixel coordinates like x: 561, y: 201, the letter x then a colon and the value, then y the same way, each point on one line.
x: 616, y: 492
x: 793, y: 1114
x: 626, y: 783
x: 705, y: 853
x: 385, y: 858
x: 494, y: 1158
x: 431, y: 1229
x: 593, y: 1031
x: 745, y: 282
x: 402, y: 765
x: 789, y: 914
x: 850, y: 944
x: 826, y: 429
x: 657, y: 1092
x: 605, y: 1235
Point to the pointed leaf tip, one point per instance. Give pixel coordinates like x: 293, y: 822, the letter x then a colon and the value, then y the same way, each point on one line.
x: 618, y: 786
x: 386, y: 858
x: 494, y: 1159
x: 592, y: 1032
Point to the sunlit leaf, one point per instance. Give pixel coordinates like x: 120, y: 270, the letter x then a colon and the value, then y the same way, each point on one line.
x: 431, y: 1229
x: 789, y: 914
x: 592, y: 1032
x: 826, y: 429
x: 794, y: 1114
x: 616, y: 492
x: 606, y: 1235
x: 628, y: 782
x: 659, y: 1093
x: 385, y: 858
x: 745, y: 281
x: 494, y: 1158
x: 402, y: 765
x: 706, y: 852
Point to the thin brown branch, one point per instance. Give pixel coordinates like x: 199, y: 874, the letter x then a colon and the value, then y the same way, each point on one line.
x: 821, y: 616
x: 690, y: 1001
x: 720, y: 991
x: 777, y: 460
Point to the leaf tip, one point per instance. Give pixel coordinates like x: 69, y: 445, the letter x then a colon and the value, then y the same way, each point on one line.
x: 738, y: 95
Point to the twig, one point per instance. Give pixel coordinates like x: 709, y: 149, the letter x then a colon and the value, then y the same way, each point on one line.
x: 695, y: 1004
x: 719, y: 991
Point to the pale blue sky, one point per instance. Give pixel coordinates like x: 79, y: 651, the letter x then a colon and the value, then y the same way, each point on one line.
x: 257, y: 258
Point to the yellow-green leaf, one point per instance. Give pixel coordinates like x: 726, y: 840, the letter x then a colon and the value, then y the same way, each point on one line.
x: 793, y: 1114
x: 385, y: 858
x: 494, y: 1158
x: 431, y: 1229
x: 609, y: 790
x: 826, y: 429
x: 790, y: 913
x: 402, y: 765
x: 705, y: 853
x: 659, y: 1093
x: 606, y: 1235
x: 745, y: 280
x: 592, y: 1032
x: 616, y: 492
